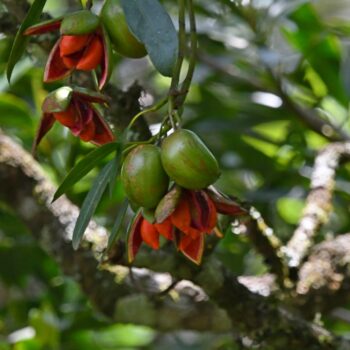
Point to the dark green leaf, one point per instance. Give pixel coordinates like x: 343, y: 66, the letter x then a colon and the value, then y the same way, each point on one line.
x: 20, y: 41
x: 90, y: 203
x: 116, y: 165
x: 118, y: 223
x: 15, y: 112
x: 84, y: 167
x: 152, y: 25
x: 115, y: 170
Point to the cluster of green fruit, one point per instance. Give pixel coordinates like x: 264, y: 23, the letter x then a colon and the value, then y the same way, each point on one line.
x: 182, y: 157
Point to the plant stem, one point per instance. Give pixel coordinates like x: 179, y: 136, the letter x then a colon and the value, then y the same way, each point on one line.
x: 192, y: 61
x: 182, y: 48
x: 174, y: 86
x: 154, y: 108
x: 89, y: 4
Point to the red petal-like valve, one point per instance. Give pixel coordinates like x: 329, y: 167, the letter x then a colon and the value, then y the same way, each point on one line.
x: 134, y: 238
x: 70, y: 61
x: 166, y: 229
x: 103, y: 133
x: 192, y: 248
x: 181, y: 218
x: 149, y: 234
x: 70, y: 44
x: 106, y: 63
x: 203, y: 211
x: 46, y: 124
x: 92, y: 55
x: 55, y: 68
x: 68, y: 117
x: 88, y: 133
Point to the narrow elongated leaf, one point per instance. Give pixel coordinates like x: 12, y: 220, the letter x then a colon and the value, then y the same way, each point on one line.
x: 84, y: 167
x: 90, y: 203
x: 152, y: 25
x: 115, y: 171
x: 117, y: 160
x: 118, y: 223
x: 20, y: 41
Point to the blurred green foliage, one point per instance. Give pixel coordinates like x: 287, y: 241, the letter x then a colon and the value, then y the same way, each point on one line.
x: 247, y: 49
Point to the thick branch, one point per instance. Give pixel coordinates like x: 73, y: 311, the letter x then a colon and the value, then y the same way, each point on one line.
x: 318, y: 202
x: 267, y: 322
x: 324, y: 279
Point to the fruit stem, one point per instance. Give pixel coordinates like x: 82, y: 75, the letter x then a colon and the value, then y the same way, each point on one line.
x: 182, y: 48
x: 153, y: 108
x: 174, y: 86
x: 192, y: 59
x: 177, y: 93
x: 172, y: 112
x: 164, y: 128
x: 95, y: 80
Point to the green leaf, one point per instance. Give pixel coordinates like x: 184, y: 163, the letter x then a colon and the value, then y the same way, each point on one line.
x: 116, y: 163
x: 20, y: 41
x: 152, y: 25
x: 84, y: 167
x: 15, y: 112
x: 118, y: 223
x: 90, y: 203
x: 114, y: 173
x: 290, y: 209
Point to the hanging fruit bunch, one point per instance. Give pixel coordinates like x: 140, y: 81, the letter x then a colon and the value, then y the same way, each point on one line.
x: 167, y: 179
x: 183, y: 212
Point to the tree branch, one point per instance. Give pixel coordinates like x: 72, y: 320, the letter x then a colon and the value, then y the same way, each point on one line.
x: 318, y: 202
x: 324, y: 279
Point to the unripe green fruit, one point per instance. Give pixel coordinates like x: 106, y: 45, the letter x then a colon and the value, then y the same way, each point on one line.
x: 123, y: 40
x: 79, y: 23
x: 188, y: 161
x: 144, y: 179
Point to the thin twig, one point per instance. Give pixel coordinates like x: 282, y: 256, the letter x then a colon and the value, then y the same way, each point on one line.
x: 269, y: 246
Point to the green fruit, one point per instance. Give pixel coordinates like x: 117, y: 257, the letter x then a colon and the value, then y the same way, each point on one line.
x: 143, y: 177
x: 123, y: 40
x: 188, y: 161
x: 79, y: 23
